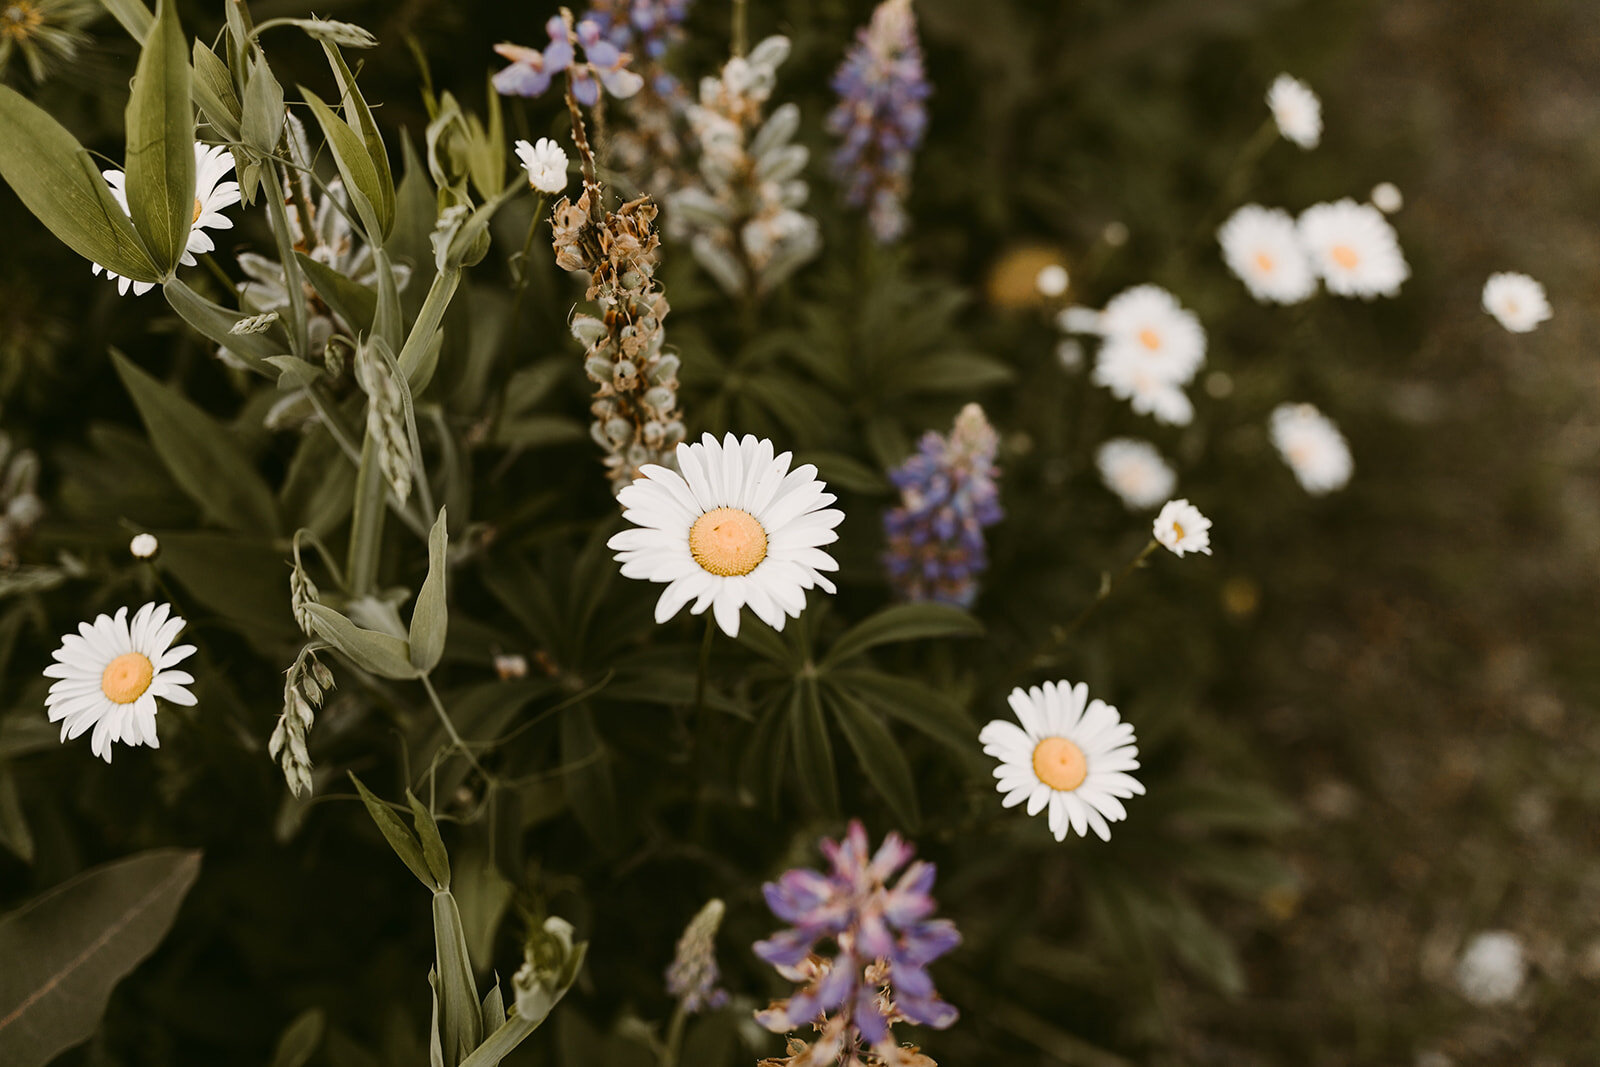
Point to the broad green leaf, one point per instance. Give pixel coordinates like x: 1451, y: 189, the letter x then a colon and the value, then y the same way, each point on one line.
x: 483, y: 895
x: 1203, y: 947
x: 349, y: 299
x: 767, y: 643
x: 433, y: 851
x: 460, y: 1013
x: 133, y: 15
x: 402, y: 840
x: 373, y: 651
x: 914, y: 703
x: 813, y: 752
x: 957, y: 372
x: 431, y: 617
x: 879, y: 755
x: 846, y: 472
x: 214, y: 92
x: 901, y: 622
x: 317, y: 491
x: 301, y: 1040
x: 355, y: 165
x: 494, y: 1009
x: 414, y: 361
x: 66, y: 950
x: 242, y: 579
x: 202, y: 455
x: 216, y: 323
x: 14, y: 833
x: 587, y: 775
x: 262, y: 125
x: 160, y: 154
x: 539, y: 431
x: 56, y: 179
x: 359, y: 116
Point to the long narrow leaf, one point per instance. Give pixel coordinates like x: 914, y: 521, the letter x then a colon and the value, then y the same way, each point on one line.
x: 160, y: 155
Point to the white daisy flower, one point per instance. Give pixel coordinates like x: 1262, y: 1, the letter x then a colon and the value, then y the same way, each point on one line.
x: 1516, y: 300
x: 211, y: 195
x: 1312, y: 446
x: 1181, y: 528
x: 1386, y: 198
x: 1071, y: 755
x: 546, y: 164
x: 1076, y: 319
x: 1128, y: 374
x: 1492, y: 969
x: 1296, y: 110
x: 736, y: 527
x: 1052, y: 280
x: 144, y: 546
x: 1354, y: 249
x: 1149, y: 321
x: 1262, y: 247
x: 110, y: 674
x: 1135, y: 471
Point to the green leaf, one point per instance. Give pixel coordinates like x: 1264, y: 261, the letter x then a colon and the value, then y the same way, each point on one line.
x: 431, y: 617
x: 1204, y: 948
x: 216, y: 323
x: 353, y: 302
x: 914, y: 703
x: 355, y: 165
x: 539, y: 431
x: 901, y: 622
x: 133, y: 15
x: 66, y: 950
x: 813, y: 752
x: 402, y: 840
x: 160, y: 155
x: 301, y: 1040
x: 957, y: 372
x: 262, y: 125
x: 359, y: 116
x: 14, y: 833
x: 56, y: 179
x: 767, y: 643
x: 847, y: 472
x: 460, y: 1018
x: 380, y: 653
x: 587, y: 775
x: 494, y: 1009
x: 879, y: 755
x: 214, y: 92
x: 203, y: 456
x: 433, y: 851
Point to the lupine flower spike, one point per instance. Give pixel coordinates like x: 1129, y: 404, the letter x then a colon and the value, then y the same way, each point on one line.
x: 883, y: 939
x: 692, y: 977
x: 948, y: 496
x: 603, y: 64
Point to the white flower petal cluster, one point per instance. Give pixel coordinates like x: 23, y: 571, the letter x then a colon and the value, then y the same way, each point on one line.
x: 1312, y: 446
x: 1516, y: 301
x: 1296, y: 110
x: 1353, y: 249
x: 1182, y: 529
x: 545, y: 163
x: 1135, y: 471
x: 1262, y: 247
x: 211, y: 195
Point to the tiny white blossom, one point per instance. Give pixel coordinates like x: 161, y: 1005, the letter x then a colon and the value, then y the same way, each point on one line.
x: 1492, y: 969
x: 1135, y: 471
x: 1386, y: 198
x: 1166, y: 337
x: 1052, y: 280
x: 1296, y: 110
x: 1312, y: 446
x: 144, y: 546
x: 546, y: 164
x: 1262, y: 246
x: 1354, y: 249
x: 1181, y: 528
x: 1516, y: 301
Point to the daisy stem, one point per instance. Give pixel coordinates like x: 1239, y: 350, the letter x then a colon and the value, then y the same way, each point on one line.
x: 705, y: 666
x: 366, y: 523
x: 674, y: 1038
x: 450, y: 729
x: 522, y: 260
x: 1107, y: 587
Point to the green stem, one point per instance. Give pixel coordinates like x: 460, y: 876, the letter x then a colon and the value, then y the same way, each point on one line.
x: 522, y: 262
x: 434, y: 304
x: 1046, y: 655
x: 450, y: 729
x: 299, y: 337
x: 366, y: 523
x: 674, y: 1040
x: 741, y: 26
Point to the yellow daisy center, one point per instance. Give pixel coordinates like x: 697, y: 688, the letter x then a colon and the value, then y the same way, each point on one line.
x: 1060, y: 764
x: 19, y: 20
x: 197, y: 211
x: 1177, y: 529
x: 1150, y: 339
x: 1264, y: 262
x: 728, y: 541
x: 1345, y: 256
x: 127, y: 677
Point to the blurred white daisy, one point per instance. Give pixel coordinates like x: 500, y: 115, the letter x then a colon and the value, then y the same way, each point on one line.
x: 1070, y: 755
x: 1386, y: 198
x: 1262, y: 247
x: 1516, y: 300
x: 1135, y: 471
x: 1181, y: 528
x: 1128, y: 374
x: 144, y: 546
x: 1148, y: 321
x: 1354, y: 249
x: 110, y: 674
x: 1296, y: 110
x: 1077, y: 319
x: 1492, y: 969
x: 736, y: 527
x: 546, y: 164
x: 1312, y: 446
x: 211, y: 195
x: 1052, y: 280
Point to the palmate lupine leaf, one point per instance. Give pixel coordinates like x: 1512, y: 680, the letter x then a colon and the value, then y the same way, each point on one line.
x: 160, y: 152
x: 65, y: 951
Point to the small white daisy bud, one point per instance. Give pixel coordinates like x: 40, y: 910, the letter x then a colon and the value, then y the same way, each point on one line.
x: 1052, y: 280
x: 1386, y: 197
x: 1516, y: 301
x: 510, y: 667
x: 1492, y: 968
x: 1182, y: 529
x: 546, y: 164
x: 1296, y: 110
x: 144, y: 546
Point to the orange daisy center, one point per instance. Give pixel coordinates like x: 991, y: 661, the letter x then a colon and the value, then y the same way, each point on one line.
x: 126, y: 678
x: 1345, y: 256
x: 1060, y: 764
x: 728, y: 542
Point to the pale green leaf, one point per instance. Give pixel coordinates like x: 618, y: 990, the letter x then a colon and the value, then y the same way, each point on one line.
x: 460, y: 1013
x: 430, y: 618
x: 402, y: 840
x: 301, y: 1040
x: 214, y: 92
x: 373, y: 651
x: 216, y: 323
x: 433, y: 851
x: 359, y: 117
x: 901, y: 622
x: 355, y: 165
x: 160, y: 153
x: 262, y: 125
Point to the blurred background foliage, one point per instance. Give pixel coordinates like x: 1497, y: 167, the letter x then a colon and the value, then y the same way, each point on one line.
x: 1364, y: 723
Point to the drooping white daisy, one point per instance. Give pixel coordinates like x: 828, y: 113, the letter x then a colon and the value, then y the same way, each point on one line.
x: 1181, y: 528
x: 1312, y: 446
x: 1148, y: 321
x: 1354, y: 249
x: 110, y: 674
x: 1492, y: 969
x: 546, y: 164
x: 1135, y: 471
x: 1386, y: 198
x: 1052, y: 280
x: 1262, y: 247
x: 1516, y: 300
x: 144, y: 546
x: 736, y: 527
x: 1128, y: 374
x: 1071, y: 755
x: 211, y: 195
x: 1296, y: 110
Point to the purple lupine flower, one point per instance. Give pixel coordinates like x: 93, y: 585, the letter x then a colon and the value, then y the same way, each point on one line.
x: 881, y: 116
x: 604, y: 64
x: 948, y: 495
x: 693, y: 975
x: 884, y: 941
